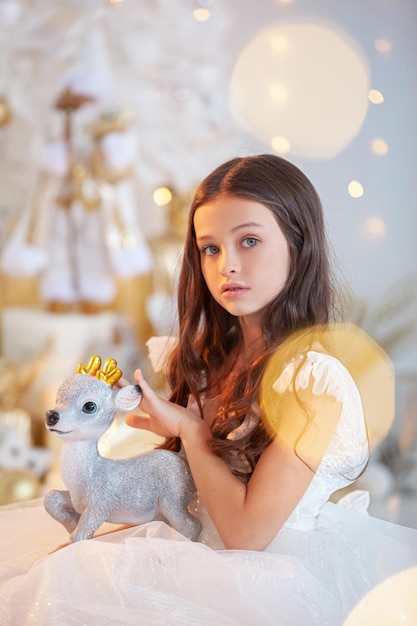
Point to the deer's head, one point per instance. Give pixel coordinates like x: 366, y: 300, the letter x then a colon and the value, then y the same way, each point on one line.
x: 87, y: 402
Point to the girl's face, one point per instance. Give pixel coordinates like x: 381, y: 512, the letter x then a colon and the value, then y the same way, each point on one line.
x: 244, y: 254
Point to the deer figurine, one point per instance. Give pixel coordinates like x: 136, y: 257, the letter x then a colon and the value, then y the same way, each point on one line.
x: 126, y: 491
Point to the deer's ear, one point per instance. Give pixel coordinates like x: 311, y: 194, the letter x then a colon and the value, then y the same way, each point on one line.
x: 128, y: 398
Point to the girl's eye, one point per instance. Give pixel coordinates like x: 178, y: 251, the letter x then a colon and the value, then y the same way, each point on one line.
x: 250, y: 242
x: 210, y: 250
x: 90, y: 408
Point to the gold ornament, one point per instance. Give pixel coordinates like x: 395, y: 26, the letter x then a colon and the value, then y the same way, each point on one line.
x: 5, y: 112
x: 17, y: 486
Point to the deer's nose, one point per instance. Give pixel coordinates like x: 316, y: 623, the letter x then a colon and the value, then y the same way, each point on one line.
x: 51, y: 417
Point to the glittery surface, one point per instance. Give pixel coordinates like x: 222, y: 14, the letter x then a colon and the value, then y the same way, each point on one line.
x: 153, y: 485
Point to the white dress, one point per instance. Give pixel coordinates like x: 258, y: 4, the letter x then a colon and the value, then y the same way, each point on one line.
x: 320, y: 564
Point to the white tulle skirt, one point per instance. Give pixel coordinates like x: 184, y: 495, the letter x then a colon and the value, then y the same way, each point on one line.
x: 152, y: 575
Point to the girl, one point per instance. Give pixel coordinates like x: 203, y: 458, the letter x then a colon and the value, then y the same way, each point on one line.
x: 271, y: 423
x: 255, y: 271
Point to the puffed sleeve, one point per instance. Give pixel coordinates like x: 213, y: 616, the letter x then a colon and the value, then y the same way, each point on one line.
x: 159, y: 351
x: 323, y: 372
x: 318, y: 409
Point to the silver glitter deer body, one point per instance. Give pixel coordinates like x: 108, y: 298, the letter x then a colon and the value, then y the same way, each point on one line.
x: 125, y: 491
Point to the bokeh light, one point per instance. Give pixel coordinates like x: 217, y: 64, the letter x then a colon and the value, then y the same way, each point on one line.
x: 280, y: 145
x: 304, y: 81
x: 201, y: 15
x: 162, y: 196
x: 355, y: 189
x: 375, y: 96
x: 278, y: 93
x: 382, y: 45
x: 379, y: 146
x: 366, y: 362
x: 391, y: 603
x: 375, y: 226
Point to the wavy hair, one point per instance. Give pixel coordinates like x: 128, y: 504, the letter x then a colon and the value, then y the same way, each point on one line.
x: 208, y: 333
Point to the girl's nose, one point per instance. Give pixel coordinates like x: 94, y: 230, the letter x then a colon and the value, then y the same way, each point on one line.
x: 229, y: 263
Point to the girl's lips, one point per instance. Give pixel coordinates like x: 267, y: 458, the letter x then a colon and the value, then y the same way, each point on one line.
x: 230, y: 292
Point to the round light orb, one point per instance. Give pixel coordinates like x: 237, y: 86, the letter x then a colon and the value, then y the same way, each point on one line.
x: 355, y: 189
x: 201, y: 15
x: 375, y: 226
x: 304, y: 81
x: 383, y: 45
x: 391, y: 603
x: 368, y: 365
x: 379, y: 146
x: 162, y: 196
x: 376, y: 97
x: 281, y: 145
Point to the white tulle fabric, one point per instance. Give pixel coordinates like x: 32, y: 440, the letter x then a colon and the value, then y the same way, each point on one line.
x: 325, y: 558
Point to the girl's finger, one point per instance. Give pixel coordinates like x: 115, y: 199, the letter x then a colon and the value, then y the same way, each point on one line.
x: 142, y: 382
x: 139, y: 377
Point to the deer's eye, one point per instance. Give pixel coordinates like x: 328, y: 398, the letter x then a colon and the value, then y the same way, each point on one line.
x: 90, y: 408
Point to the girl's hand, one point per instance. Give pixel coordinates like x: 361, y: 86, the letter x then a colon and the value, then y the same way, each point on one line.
x: 163, y: 418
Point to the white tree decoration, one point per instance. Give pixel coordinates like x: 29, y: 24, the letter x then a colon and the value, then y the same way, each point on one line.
x: 151, y: 55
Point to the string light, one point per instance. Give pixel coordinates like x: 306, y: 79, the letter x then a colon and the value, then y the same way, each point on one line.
x: 382, y: 45
x: 201, y: 15
x: 162, y: 196
x: 375, y: 96
x: 280, y: 144
x: 375, y: 226
x: 379, y: 146
x: 355, y: 189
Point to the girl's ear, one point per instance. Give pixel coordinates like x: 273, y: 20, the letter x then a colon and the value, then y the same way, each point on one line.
x: 128, y: 398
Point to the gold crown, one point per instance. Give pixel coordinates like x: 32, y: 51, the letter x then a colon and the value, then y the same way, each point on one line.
x: 110, y: 373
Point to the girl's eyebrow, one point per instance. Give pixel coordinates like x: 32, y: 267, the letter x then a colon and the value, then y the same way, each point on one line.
x: 233, y: 230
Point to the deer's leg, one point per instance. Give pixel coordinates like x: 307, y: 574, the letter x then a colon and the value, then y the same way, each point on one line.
x: 89, y: 521
x: 59, y: 506
x: 181, y: 519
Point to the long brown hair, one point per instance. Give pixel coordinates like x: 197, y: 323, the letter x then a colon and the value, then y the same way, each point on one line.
x: 208, y: 333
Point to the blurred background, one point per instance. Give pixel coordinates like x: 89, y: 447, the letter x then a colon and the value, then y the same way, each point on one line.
x: 112, y: 111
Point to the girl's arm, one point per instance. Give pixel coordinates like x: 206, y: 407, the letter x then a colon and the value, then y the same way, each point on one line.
x: 246, y: 516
